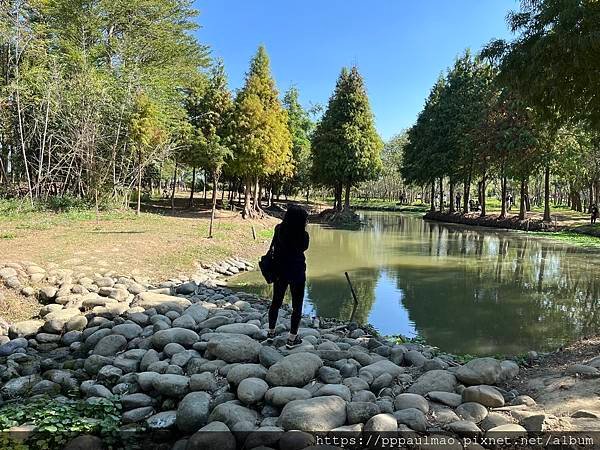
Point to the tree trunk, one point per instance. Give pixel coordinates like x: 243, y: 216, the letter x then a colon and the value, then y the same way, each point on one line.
x: 204, y: 186
x: 256, y: 198
x: 441, y: 194
x: 139, y: 186
x: 547, y: 195
x: 452, y: 209
x: 215, y: 177
x: 503, y: 210
x: 483, y: 188
x: 247, y: 204
x: 466, y: 194
x: 522, y: 208
x: 173, y: 188
x: 191, y: 201
x: 338, y: 196
x: 347, y: 197
x: 432, y: 208
x: 527, y: 200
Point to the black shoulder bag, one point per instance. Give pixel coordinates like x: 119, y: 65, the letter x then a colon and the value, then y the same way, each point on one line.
x: 267, y: 263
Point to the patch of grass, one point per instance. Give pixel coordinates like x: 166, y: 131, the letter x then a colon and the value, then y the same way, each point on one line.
x: 158, y: 246
x: 573, y: 238
x: 266, y: 234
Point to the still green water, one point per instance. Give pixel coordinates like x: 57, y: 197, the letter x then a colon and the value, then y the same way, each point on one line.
x: 463, y: 289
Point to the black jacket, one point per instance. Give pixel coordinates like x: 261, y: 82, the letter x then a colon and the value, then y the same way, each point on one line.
x: 288, y: 252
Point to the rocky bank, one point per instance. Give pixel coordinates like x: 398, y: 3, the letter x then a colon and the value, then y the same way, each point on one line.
x: 188, y: 356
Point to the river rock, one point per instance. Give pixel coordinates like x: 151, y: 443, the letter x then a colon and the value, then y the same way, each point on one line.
x: 187, y: 288
x: 269, y: 356
x: 11, y: 346
x: 381, y: 423
x: 192, y: 412
x: 486, y: 395
x: 25, y: 328
x: 380, y: 367
x: 171, y: 385
x: 110, y: 345
x: 315, y: 414
x: 249, y: 329
x: 480, y: 371
x: 19, y: 387
x: 509, y: 370
x: 128, y: 330
x: 434, y: 380
x: 338, y: 390
x: 294, y: 370
x: 510, y: 431
x: 252, y: 390
x: 205, y: 381
x: 162, y: 421
x: 181, y: 336
x: 446, y: 398
x: 464, y: 428
x: 150, y: 299
x: 281, y: 395
x: 241, y: 371
x: 405, y: 401
x: 133, y: 401
x: 235, y: 348
x: 494, y: 419
x: 412, y: 417
x: 137, y: 414
x: 214, y: 435
x: 57, y: 320
x: 360, y: 412
x: 232, y: 412
x: 475, y: 412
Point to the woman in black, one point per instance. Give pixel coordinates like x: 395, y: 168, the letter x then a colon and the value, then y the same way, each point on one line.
x: 290, y: 240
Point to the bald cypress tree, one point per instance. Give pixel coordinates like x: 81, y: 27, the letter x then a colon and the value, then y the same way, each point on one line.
x: 261, y: 139
x: 346, y: 146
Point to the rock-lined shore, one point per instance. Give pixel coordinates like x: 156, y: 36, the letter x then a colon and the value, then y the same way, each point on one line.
x: 189, y: 356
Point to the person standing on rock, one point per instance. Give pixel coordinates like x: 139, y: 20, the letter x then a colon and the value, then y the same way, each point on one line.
x: 290, y: 241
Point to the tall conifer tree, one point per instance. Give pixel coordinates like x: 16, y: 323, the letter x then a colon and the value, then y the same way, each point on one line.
x: 260, y: 136
x: 346, y: 146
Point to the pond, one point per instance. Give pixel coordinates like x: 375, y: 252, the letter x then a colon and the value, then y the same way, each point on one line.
x: 463, y: 289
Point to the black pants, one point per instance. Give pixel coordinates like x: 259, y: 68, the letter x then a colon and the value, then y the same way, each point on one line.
x: 297, y: 290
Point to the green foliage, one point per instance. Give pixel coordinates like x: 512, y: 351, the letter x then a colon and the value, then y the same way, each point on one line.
x: 300, y: 126
x: 90, y: 86
x: 58, y: 422
x: 346, y: 146
x: 209, y: 105
x: 260, y: 135
x: 553, y: 62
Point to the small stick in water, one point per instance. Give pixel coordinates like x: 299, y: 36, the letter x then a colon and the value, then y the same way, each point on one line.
x: 353, y: 296
x: 253, y: 232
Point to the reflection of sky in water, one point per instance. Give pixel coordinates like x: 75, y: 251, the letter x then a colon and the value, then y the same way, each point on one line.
x: 464, y: 289
x: 388, y: 303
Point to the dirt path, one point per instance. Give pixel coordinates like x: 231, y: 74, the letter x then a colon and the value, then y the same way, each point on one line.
x: 561, y: 393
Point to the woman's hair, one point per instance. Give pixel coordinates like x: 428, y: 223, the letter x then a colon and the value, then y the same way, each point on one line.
x: 295, y: 218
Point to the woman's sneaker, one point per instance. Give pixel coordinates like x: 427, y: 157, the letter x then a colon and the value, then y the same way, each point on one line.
x: 293, y: 343
x: 270, y: 337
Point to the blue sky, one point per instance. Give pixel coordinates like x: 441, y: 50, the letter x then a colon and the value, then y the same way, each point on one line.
x: 399, y: 46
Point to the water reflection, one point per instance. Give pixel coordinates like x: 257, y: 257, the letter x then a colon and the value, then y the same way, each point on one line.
x: 466, y: 290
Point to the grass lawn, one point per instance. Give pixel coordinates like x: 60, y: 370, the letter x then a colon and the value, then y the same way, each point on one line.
x: 155, y: 244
